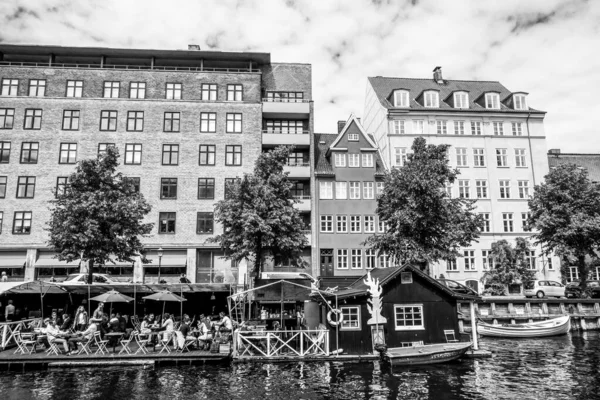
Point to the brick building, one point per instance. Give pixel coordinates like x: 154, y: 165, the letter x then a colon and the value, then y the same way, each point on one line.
x: 185, y: 123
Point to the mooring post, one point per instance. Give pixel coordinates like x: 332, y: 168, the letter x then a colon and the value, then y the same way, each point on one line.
x: 473, y: 326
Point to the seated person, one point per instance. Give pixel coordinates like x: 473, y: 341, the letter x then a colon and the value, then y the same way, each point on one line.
x: 82, y: 336
x: 205, y: 335
x: 182, y: 333
x: 52, y: 335
x: 66, y: 323
x: 224, y: 325
x: 183, y: 279
x: 168, y: 327
x: 43, y: 332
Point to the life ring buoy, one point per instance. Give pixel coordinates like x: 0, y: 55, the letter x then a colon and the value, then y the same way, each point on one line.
x: 338, y: 321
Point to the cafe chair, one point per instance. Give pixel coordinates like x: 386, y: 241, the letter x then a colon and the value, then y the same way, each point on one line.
x: 450, y: 336
x: 100, y: 343
x: 165, y: 341
x: 85, y: 346
x: 125, y: 343
x: 53, y: 349
x: 188, y: 340
x: 23, y: 344
x: 141, y: 342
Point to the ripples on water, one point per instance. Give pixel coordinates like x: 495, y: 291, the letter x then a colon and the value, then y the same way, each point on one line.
x: 554, y: 368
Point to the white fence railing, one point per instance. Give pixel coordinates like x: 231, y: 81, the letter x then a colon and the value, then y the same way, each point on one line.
x: 281, y: 343
x: 8, y: 329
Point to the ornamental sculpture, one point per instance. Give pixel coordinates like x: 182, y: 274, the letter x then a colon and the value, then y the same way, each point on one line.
x: 374, y: 303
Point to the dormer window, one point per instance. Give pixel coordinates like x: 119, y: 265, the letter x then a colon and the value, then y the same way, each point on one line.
x: 492, y: 101
x: 401, y: 98
x: 432, y: 99
x: 519, y: 102
x: 353, y: 137
x: 461, y: 100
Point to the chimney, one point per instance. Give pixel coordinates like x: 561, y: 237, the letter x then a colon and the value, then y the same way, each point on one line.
x: 555, y: 152
x: 437, y: 75
x: 193, y: 47
x: 341, y: 125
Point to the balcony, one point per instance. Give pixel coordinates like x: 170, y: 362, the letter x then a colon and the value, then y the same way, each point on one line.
x: 304, y: 204
x: 276, y: 138
x: 298, y: 170
x: 286, y: 108
x: 308, y: 237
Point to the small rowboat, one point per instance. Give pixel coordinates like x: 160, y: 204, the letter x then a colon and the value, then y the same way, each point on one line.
x: 427, y: 354
x: 550, y: 327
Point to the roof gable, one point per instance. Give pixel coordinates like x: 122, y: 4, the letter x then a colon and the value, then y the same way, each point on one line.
x: 354, y: 126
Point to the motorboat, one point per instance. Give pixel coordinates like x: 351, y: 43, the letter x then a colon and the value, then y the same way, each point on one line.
x: 426, y: 354
x: 550, y: 327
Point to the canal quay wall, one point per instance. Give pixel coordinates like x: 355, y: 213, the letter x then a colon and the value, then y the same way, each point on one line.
x: 584, y: 313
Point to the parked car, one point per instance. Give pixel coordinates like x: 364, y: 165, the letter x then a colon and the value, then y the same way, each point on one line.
x: 457, y: 287
x: 573, y: 290
x: 541, y: 289
x: 81, y: 279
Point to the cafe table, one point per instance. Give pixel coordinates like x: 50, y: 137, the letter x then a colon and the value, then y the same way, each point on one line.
x: 115, y: 336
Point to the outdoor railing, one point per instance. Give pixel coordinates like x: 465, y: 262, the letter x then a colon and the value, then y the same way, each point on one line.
x: 9, y: 329
x: 281, y: 343
x: 124, y: 66
x: 285, y: 132
x: 298, y: 164
x: 284, y: 100
x: 302, y: 196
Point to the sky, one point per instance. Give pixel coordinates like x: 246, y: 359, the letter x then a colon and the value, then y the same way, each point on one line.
x: 548, y: 48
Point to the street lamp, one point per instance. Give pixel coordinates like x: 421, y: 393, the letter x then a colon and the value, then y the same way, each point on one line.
x: 160, y: 254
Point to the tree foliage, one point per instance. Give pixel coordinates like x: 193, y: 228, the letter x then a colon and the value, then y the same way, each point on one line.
x: 565, y: 213
x: 508, y: 265
x: 259, y: 218
x: 99, y: 216
x: 423, y: 223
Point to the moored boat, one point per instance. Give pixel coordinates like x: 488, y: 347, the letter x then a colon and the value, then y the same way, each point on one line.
x: 550, y: 327
x: 427, y: 354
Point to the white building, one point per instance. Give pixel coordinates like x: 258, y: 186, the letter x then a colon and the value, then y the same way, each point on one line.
x: 497, y: 142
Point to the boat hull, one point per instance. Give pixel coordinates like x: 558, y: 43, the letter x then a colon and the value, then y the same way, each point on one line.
x: 427, y: 354
x: 552, y: 327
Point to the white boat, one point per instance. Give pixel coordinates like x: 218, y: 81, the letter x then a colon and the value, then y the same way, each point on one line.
x: 550, y: 327
x: 426, y: 354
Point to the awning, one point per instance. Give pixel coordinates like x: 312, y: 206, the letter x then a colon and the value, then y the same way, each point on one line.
x: 12, y: 259
x: 170, y: 258
x: 29, y: 287
x: 6, y: 286
x: 46, y: 260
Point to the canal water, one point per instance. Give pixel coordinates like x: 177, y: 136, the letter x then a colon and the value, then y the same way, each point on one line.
x: 563, y: 367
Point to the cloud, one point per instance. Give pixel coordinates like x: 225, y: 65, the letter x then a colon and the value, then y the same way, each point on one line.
x: 544, y: 47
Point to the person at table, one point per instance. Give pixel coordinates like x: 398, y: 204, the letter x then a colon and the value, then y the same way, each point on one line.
x: 82, y: 336
x: 66, y: 323
x: 54, y: 318
x: 204, y: 330
x: 43, y: 331
x: 81, y: 319
x: 9, y: 311
x: 4, y: 277
x: 167, y: 328
x: 182, y: 333
x: 98, y: 312
x: 225, y: 324
x: 146, y: 324
x: 52, y: 333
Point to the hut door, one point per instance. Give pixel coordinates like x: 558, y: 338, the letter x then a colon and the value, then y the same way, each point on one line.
x: 326, y: 262
x: 377, y: 335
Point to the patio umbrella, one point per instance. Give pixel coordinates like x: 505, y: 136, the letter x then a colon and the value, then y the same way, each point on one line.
x: 164, y: 296
x: 112, y: 296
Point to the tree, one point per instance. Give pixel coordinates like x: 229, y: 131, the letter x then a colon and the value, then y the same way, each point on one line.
x: 99, y: 215
x: 423, y: 223
x: 508, y: 265
x: 565, y: 213
x: 259, y: 218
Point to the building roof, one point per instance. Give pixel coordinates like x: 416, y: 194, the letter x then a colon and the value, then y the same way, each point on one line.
x: 591, y: 162
x: 323, y: 162
x: 384, y: 88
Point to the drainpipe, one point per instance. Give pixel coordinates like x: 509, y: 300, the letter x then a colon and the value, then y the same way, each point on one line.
x: 530, y: 150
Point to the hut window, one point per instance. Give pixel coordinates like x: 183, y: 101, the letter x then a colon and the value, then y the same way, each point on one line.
x: 409, y: 317
x: 351, y: 320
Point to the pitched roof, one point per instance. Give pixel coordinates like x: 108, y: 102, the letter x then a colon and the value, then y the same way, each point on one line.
x: 591, y: 162
x: 323, y: 165
x: 384, y: 88
x: 352, y: 119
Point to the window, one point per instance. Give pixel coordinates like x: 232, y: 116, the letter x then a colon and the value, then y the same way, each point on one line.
x: 325, y: 190
x: 479, y: 157
x: 367, y: 160
x: 400, y: 156
x: 507, y: 221
x: 208, y: 122
x: 523, y: 189
x: 341, y: 190
x: 297, y: 159
x: 230, y: 186
x: 7, y: 118
x: 356, y: 258
x: 384, y: 261
x: 461, y: 100
x: 233, y: 155
x: 206, y: 188
x: 74, y: 88
x: 463, y: 189
x: 475, y: 128
x: 498, y: 128
x: 501, y: 158
x: 133, y: 154
x: 209, y: 91
x: 504, y: 189
x: 368, y: 190
x: 485, y: 259
x: 342, y: 224
x: 111, y: 90
x: 400, y: 98
x: 207, y: 154
x: 37, y: 87
x: 354, y: 190
x: 481, y: 188
x: 205, y: 222
x: 485, y: 217
x: 166, y: 222
x: 171, y: 123
x: 234, y: 123
x: 517, y: 129
x: 137, y: 90
x: 379, y: 186
x: 451, y: 265
x: 399, y: 127
x: 234, y: 92
x: 419, y: 127
x: 350, y: 318
x: 339, y: 159
x: 459, y: 127
x: 29, y: 152
x: 492, y: 100
x: 300, y: 190
x: 551, y: 267
x: 355, y: 224
x: 33, y: 118
x: 431, y: 99
x: 354, y: 160
x: 61, y: 185
x: 442, y: 127
x: 3, y: 180
x: 327, y: 223
x: 353, y: 137
x: 461, y: 157
x: 26, y: 187
x: 135, y: 121
x: 285, y: 97
x: 4, y: 152
x: 408, y: 317
x: 108, y: 120
x: 70, y: 120
x: 22, y: 223
x: 285, y: 126
x: 170, y: 154
x: 449, y: 189
x: 68, y: 153
x: 573, y: 274
x: 9, y: 87
x: 369, y: 224
x: 342, y: 258
x: 530, y: 259
x: 520, y: 159
x: 168, y: 188
x: 173, y: 91
x: 381, y: 225
x: 519, y: 102
x: 469, y: 256
x: 524, y: 219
